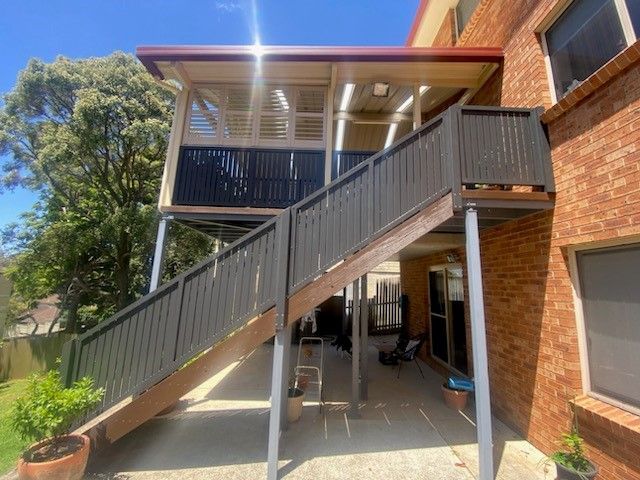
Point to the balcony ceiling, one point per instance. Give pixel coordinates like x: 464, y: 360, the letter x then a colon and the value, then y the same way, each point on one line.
x: 438, y: 67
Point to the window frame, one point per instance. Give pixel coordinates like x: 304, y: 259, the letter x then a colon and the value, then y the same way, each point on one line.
x: 254, y: 141
x: 583, y: 349
x: 627, y: 28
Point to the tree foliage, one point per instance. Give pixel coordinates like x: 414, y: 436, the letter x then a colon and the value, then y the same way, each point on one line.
x: 90, y: 136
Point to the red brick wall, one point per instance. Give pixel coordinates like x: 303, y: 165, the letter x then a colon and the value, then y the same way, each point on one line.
x: 446, y: 36
x: 531, y: 325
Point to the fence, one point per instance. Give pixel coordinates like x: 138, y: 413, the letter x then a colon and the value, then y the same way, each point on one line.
x: 385, y: 309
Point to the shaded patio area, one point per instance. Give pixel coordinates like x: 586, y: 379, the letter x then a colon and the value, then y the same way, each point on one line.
x: 219, y: 430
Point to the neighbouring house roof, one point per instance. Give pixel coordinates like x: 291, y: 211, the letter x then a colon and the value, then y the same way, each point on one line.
x: 461, y: 67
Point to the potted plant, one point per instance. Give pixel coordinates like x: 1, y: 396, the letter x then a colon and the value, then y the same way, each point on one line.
x: 454, y: 398
x: 45, y: 414
x: 295, y: 397
x: 571, y: 463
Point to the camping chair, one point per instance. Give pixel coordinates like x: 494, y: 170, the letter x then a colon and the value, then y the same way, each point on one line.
x: 410, y: 352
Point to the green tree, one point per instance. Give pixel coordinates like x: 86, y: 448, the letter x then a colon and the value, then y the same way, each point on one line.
x: 90, y: 136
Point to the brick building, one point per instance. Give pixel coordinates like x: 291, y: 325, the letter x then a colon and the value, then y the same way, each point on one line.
x: 550, y: 346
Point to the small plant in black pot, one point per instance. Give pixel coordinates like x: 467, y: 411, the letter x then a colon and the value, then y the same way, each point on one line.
x: 571, y: 463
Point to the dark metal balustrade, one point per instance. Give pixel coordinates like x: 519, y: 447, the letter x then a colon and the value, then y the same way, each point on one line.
x: 148, y: 340
x: 344, y: 161
x: 225, y: 176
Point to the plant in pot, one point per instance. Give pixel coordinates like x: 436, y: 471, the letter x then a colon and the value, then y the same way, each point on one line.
x: 295, y: 397
x: 571, y: 463
x: 44, y: 414
x: 454, y: 398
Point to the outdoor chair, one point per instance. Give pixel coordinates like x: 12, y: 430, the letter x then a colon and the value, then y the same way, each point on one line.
x: 411, y: 352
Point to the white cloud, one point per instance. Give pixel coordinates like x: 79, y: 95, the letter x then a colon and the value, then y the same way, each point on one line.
x: 228, y: 5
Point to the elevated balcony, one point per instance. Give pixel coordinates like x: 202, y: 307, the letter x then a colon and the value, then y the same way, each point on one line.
x: 253, y: 135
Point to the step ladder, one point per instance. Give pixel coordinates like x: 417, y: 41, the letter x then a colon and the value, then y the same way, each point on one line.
x: 305, y: 364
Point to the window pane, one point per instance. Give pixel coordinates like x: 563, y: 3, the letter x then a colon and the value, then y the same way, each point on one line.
x: 436, y: 292
x: 585, y: 37
x: 610, y: 287
x: 464, y: 10
x: 633, y: 6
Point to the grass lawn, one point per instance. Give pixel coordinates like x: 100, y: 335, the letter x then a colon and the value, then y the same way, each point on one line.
x: 10, y: 445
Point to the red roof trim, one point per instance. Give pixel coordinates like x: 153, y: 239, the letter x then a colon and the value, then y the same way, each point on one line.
x: 416, y: 22
x: 148, y: 55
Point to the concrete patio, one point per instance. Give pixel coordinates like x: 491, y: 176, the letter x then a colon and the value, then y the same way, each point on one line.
x: 405, y: 431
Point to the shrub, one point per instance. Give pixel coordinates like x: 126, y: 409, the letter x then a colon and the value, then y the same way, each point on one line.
x: 48, y: 409
x: 573, y: 458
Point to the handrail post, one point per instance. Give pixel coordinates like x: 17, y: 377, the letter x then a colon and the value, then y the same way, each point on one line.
x: 542, y: 149
x: 452, y: 142
x: 282, y: 272
x: 68, y: 361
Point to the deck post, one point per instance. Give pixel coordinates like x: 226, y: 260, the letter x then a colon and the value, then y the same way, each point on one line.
x: 279, y: 385
x: 355, y: 352
x: 364, y: 338
x: 479, y: 347
x: 158, y: 255
x: 417, y: 107
x: 281, y: 347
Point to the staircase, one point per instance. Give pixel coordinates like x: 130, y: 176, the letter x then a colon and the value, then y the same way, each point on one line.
x: 225, y: 306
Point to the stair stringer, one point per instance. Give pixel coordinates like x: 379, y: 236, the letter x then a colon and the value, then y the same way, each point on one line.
x: 132, y: 412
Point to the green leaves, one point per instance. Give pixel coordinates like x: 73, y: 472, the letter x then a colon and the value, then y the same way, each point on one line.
x: 48, y: 408
x: 574, y: 457
x: 91, y: 136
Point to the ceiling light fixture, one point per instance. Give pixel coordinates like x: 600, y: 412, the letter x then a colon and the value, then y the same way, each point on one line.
x: 391, y: 134
x: 346, y: 96
x: 381, y: 89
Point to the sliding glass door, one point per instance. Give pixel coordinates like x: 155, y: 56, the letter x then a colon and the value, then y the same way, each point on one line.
x: 446, y: 317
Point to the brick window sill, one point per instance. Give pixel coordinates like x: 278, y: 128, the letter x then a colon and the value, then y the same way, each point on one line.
x: 605, y: 74
x: 619, y: 420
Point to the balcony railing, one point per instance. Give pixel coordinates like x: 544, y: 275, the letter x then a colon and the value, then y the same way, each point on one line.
x: 344, y: 161
x: 248, y: 177
x: 502, y: 146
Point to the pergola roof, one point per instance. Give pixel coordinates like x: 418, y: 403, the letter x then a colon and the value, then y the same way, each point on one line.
x: 450, y: 67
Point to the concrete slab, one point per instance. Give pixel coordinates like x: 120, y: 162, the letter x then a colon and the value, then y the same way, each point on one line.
x: 219, y: 430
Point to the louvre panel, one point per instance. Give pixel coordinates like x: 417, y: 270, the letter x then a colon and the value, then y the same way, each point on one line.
x: 243, y: 115
x: 239, y: 99
x: 205, y: 115
x: 275, y: 100
x: 310, y: 101
x: 238, y: 125
x: 310, y: 128
x: 274, y: 127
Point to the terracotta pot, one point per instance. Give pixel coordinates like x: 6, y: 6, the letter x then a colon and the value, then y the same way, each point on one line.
x: 565, y: 474
x: 294, y: 404
x: 70, y: 467
x: 456, y: 399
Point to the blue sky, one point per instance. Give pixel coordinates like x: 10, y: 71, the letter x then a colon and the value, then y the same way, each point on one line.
x: 83, y: 28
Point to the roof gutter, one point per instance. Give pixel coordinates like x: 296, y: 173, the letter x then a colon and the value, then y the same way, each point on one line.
x: 149, y: 55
